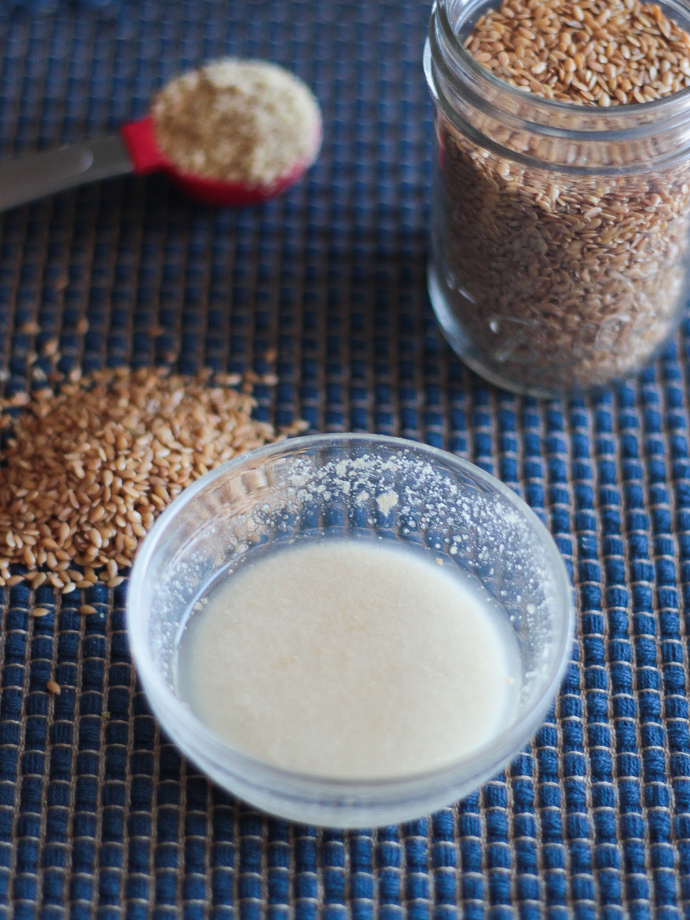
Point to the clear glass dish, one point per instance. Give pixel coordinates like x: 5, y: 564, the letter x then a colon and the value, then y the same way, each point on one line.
x: 351, y: 485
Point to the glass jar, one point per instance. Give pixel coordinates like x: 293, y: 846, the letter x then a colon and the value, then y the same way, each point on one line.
x: 559, y: 238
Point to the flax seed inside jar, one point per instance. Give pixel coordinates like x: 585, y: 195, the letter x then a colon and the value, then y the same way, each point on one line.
x: 561, y: 187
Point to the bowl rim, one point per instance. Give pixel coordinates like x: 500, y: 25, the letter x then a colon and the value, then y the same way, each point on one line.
x: 483, y: 761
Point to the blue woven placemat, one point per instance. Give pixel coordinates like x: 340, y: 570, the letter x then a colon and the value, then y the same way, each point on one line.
x: 99, y: 814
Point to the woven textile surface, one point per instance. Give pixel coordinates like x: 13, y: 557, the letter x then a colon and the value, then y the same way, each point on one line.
x: 99, y: 814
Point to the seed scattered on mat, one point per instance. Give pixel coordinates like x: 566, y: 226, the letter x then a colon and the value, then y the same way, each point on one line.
x: 88, y: 469
x: 53, y: 686
x: 87, y: 609
x: 40, y: 612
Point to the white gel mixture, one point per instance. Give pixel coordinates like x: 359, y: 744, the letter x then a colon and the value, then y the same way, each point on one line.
x: 349, y: 659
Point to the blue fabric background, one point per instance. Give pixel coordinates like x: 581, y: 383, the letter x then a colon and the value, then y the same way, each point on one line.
x: 99, y: 815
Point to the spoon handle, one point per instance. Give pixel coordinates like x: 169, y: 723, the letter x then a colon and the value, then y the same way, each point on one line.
x: 34, y: 175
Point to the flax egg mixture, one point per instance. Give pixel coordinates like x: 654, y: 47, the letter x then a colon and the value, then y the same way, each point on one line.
x: 350, y: 659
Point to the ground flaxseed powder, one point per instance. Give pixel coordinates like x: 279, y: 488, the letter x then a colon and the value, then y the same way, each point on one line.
x: 567, y: 280
x: 87, y: 470
x: 237, y: 121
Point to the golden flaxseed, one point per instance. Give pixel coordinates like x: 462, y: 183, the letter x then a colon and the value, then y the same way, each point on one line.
x: 89, y: 469
x: 561, y: 280
x: 618, y: 49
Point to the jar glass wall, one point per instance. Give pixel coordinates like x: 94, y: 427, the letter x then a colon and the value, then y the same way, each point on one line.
x: 560, y: 232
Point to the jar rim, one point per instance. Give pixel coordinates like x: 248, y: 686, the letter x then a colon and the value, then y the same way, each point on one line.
x: 453, y: 75
x: 540, y: 102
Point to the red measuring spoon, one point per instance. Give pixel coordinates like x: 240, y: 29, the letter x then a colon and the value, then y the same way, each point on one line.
x: 133, y: 151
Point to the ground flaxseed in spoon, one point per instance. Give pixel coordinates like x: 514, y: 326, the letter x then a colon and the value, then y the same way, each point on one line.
x: 87, y: 470
x: 237, y: 121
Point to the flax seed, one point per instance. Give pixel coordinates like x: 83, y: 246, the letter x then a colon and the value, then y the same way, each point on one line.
x: 89, y: 469
x: 561, y: 291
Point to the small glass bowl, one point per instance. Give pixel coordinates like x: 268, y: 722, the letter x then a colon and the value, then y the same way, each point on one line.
x: 341, y: 484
